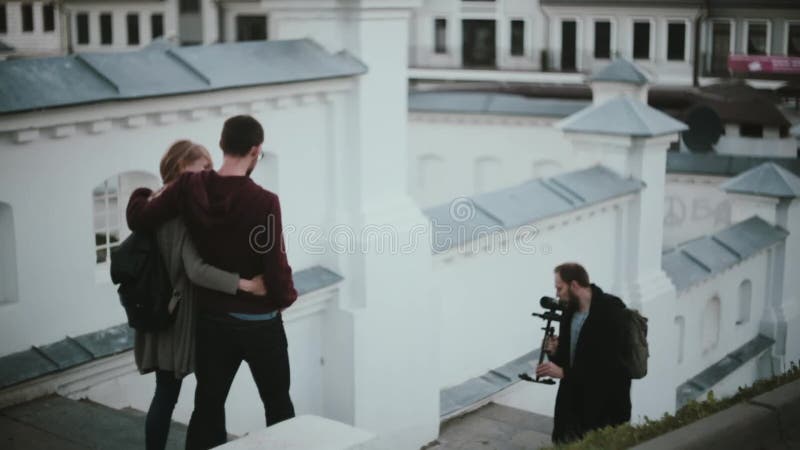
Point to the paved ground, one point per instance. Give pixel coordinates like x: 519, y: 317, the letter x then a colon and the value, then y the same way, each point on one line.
x: 57, y: 423
x: 495, y: 427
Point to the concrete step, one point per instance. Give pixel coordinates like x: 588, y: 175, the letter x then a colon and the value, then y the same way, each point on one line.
x: 59, y: 423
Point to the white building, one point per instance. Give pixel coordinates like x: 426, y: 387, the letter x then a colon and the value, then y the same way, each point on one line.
x: 419, y: 240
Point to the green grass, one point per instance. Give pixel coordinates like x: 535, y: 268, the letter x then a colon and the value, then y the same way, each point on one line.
x: 627, y: 435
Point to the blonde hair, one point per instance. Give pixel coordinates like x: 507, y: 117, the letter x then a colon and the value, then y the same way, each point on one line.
x: 178, y: 156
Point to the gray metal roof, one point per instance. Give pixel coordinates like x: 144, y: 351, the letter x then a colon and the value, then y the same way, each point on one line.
x: 5, y: 47
x: 461, y: 396
x: 702, y: 382
x: 622, y: 116
x: 704, y: 257
x: 70, y: 352
x: 621, y: 71
x: 766, y: 180
x: 465, y: 102
x: 723, y: 165
x: 463, y: 220
x: 158, y: 70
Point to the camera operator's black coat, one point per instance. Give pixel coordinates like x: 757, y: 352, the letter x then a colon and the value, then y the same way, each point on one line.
x: 595, y: 391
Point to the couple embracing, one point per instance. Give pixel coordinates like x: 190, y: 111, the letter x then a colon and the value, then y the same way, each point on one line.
x: 231, y: 291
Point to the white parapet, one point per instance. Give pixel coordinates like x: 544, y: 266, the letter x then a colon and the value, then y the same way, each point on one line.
x: 305, y: 432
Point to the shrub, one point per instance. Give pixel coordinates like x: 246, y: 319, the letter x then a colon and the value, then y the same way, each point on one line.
x: 627, y: 435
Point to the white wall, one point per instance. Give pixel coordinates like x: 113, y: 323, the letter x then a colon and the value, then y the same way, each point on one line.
x: 622, y: 19
x: 244, y: 410
x: 36, y: 42
x: 691, y: 305
x: 422, y: 48
x: 488, y: 296
x: 119, y: 27
x: 694, y: 206
x: 54, y: 219
x: 771, y: 145
x: 446, y: 149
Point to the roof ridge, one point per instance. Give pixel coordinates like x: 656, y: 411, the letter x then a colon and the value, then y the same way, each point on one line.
x: 187, y: 65
x: 79, y: 57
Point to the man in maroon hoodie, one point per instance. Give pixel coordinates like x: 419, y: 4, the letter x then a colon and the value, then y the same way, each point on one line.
x: 236, y: 226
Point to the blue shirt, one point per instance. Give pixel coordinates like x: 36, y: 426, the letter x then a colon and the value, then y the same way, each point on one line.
x: 578, y: 318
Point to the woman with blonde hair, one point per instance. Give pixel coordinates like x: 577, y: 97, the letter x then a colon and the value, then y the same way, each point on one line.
x: 170, y: 353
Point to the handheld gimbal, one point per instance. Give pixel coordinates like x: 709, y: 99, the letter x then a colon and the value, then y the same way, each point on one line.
x: 552, y: 305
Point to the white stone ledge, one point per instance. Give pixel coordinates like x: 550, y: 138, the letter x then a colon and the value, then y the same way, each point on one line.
x: 305, y: 432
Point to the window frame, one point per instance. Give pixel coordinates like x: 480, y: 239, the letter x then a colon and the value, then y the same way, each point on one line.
x: 612, y: 48
x: 110, y: 16
x: 437, y: 49
x: 788, y: 24
x: 651, y: 38
x: 767, y: 43
x: 22, y: 16
x: 687, y: 39
x: 52, y: 16
x: 523, y: 52
x: 78, y: 16
x: 135, y: 31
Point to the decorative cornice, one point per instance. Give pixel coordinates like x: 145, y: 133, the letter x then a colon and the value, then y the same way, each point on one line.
x: 481, y: 119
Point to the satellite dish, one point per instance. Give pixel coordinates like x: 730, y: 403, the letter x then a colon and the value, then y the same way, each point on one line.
x: 705, y: 128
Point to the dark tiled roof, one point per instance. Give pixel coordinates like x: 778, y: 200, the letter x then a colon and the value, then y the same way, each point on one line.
x: 708, y: 378
x: 465, y: 219
x: 71, y: 352
x: 158, y: 70
x: 723, y: 165
x: 702, y: 258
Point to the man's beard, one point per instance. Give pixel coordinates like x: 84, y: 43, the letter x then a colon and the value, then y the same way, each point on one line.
x: 572, y: 299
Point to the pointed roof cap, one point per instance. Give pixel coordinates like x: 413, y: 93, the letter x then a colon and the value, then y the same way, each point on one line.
x: 622, y: 116
x: 621, y: 71
x: 766, y: 180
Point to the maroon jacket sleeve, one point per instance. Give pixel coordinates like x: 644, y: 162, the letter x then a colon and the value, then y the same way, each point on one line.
x: 145, y: 214
x: 277, y: 272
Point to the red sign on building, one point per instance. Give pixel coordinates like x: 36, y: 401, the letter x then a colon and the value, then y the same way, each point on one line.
x: 764, y: 64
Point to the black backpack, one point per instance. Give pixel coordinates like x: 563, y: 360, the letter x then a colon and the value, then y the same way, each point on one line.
x: 144, y: 289
x: 635, y: 350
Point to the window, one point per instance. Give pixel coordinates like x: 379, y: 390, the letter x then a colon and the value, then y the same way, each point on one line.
x: 602, y: 39
x: 109, y: 199
x: 517, y: 38
x: 106, y: 34
x: 49, y: 17
x: 676, y: 41
x: 3, y: 19
x: 251, y: 28
x: 82, y: 24
x: 479, y: 43
x: 721, y: 39
x: 751, y: 130
x: 792, y: 40
x: 641, y: 40
x: 711, y: 318
x: 133, y: 28
x: 680, y: 324
x: 745, y: 300
x: 440, y: 35
x: 756, y: 38
x: 156, y: 26
x: 190, y: 6
x: 569, y: 42
x: 8, y: 256
x: 27, y: 17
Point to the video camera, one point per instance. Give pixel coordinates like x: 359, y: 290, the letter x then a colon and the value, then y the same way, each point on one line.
x: 552, y: 314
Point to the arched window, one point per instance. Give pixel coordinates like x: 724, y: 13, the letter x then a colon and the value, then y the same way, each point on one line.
x: 487, y: 174
x: 110, y: 198
x: 680, y: 326
x: 546, y: 168
x: 429, y: 171
x: 711, y: 321
x: 745, y: 300
x: 8, y: 256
